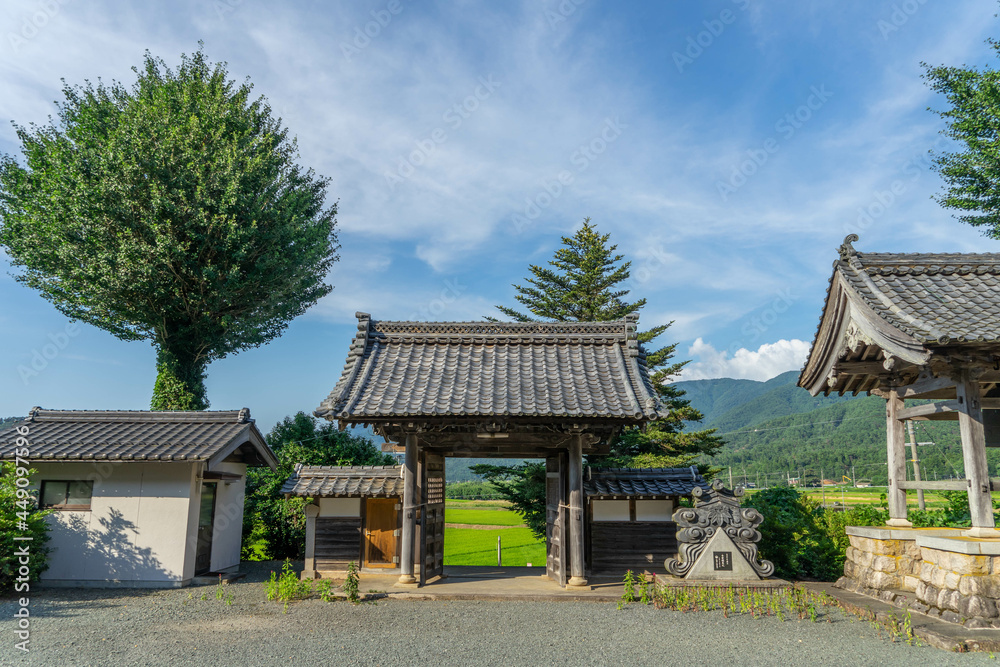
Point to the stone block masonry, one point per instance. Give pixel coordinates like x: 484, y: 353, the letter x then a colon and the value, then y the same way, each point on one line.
x: 933, y: 571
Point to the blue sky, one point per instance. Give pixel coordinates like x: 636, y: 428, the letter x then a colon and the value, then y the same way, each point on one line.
x: 728, y: 146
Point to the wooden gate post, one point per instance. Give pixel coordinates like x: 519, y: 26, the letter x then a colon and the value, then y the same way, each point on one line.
x: 970, y: 426
x: 409, y: 511
x: 896, y: 454
x: 576, y: 512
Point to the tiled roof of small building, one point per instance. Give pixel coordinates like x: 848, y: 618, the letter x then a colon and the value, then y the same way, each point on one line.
x: 898, y: 310
x: 936, y: 298
x: 121, y: 435
x: 636, y: 482
x: 470, y: 369
x: 328, y: 481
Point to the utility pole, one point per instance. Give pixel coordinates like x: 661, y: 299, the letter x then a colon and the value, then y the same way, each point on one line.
x: 730, y: 477
x: 854, y: 479
x: 822, y: 486
x: 916, y: 463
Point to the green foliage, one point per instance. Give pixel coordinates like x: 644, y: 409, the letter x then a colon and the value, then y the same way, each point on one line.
x: 17, y: 504
x: 171, y: 211
x: 955, y: 514
x: 475, y: 490
x: 287, y: 586
x: 523, y: 486
x: 795, y: 537
x: 350, y: 586
x: 972, y: 173
x: 324, y: 588
x: 172, y: 393
x: 276, y: 524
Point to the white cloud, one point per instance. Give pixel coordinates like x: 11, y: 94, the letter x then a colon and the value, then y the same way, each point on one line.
x: 769, y: 360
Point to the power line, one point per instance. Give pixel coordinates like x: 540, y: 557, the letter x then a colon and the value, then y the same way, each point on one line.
x: 782, y: 428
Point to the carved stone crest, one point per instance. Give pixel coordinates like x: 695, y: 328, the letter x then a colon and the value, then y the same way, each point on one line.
x: 717, y: 511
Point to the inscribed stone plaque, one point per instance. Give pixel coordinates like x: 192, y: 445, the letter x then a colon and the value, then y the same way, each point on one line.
x: 720, y: 550
x: 723, y: 560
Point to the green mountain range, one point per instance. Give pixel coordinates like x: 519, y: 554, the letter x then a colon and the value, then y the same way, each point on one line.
x: 774, y: 430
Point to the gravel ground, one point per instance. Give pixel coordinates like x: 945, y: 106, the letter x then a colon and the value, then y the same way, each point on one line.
x: 176, y: 627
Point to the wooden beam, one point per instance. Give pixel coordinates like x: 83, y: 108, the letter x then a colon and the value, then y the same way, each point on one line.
x: 896, y: 455
x: 936, y: 410
x: 928, y: 386
x: 939, y: 485
x: 970, y: 427
x: 859, y: 368
x: 576, y: 537
x: 409, y: 512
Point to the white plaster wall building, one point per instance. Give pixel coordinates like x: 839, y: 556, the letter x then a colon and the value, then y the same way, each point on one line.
x: 143, y: 499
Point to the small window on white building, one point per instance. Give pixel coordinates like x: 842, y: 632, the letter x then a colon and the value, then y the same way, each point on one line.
x: 654, y: 510
x: 611, y: 510
x: 66, y: 495
x: 342, y: 507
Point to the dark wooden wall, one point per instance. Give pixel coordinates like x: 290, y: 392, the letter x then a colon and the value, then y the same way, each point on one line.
x: 617, y: 546
x: 338, y: 542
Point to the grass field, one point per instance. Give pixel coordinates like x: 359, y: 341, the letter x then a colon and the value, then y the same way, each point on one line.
x: 850, y: 496
x: 473, y: 546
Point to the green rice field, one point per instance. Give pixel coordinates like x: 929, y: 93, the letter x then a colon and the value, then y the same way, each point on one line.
x: 477, y: 546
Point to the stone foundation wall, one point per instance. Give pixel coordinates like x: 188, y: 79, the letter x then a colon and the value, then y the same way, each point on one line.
x: 957, y: 587
x: 876, y: 565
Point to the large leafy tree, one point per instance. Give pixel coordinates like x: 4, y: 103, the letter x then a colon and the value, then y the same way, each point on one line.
x: 274, y: 526
x: 172, y: 211
x: 585, y: 282
x: 971, y: 173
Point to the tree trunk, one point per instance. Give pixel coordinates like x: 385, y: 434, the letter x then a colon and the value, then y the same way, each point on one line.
x: 180, y: 382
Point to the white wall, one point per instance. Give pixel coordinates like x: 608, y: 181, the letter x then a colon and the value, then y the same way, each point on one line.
x: 227, y: 534
x: 611, y: 510
x: 340, y: 507
x: 654, y: 510
x: 136, y: 528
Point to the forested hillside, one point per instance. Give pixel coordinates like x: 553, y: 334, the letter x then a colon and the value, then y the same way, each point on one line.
x: 774, y: 430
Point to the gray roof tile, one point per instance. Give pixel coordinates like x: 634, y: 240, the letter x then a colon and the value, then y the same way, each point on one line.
x: 938, y: 299
x: 328, y: 481
x: 637, y: 482
x: 121, y: 435
x: 534, y: 369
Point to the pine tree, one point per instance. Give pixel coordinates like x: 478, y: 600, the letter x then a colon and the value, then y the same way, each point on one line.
x: 585, y: 282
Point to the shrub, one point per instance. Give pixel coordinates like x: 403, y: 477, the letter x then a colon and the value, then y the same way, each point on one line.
x: 20, y: 517
x: 795, y: 535
x: 350, y: 586
x: 287, y: 586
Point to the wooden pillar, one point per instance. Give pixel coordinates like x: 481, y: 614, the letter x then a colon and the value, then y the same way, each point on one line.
x: 576, y: 546
x: 896, y: 454
x: 409, y: 511
x: 970, y: 426
x: 309, y: 571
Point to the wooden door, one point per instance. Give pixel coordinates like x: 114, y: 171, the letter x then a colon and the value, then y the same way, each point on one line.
x: 432, y: 518
x: 206, y: 526
x: 381, y: 524
x: 556, y: 499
